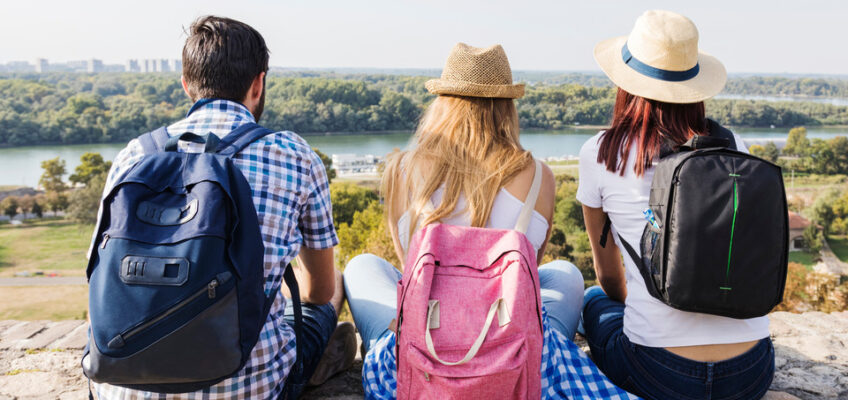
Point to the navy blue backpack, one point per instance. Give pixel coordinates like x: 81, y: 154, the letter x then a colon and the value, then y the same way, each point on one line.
x: 176, y: 293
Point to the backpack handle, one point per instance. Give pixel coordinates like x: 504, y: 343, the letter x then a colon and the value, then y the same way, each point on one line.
x: 703, y: 142
x: 433, y: 322
x: 210, y: 140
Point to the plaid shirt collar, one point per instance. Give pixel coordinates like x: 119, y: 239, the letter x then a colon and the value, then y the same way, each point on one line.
x: 218, y: 116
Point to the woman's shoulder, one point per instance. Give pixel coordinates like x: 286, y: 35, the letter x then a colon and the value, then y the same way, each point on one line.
x: 592, y: 145
x: 589, y: 151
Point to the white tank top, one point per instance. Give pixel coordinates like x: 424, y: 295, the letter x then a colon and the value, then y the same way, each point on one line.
x: 504, y: 215
x: 648, y: 321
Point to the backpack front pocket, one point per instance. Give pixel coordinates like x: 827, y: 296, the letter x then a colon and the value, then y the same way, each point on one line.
x: 182, y: 355
x: 498, y: 371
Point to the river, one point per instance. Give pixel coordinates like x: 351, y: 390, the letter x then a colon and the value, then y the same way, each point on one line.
x: 22, y: 165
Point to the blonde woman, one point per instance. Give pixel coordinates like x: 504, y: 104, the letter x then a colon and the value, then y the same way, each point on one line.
x: 466, y: 167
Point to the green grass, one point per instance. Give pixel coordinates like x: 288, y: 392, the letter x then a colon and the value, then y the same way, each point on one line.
x: 805, y: 258
x: 564, y: 169
x: 562, y: 162
x: 44, y: 302
x: 839, y: 245
x: 803, y: 180
x: 48, y: 245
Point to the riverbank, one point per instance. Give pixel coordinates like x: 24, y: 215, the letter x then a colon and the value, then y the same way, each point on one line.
x: 308, y: 135
x: 22, y: 165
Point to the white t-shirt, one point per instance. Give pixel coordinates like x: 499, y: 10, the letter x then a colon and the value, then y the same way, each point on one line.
x: 505, y: 210
x: 648, y: 321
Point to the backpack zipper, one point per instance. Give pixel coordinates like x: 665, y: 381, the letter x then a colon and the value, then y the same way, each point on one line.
x: 732, y: 230
x: 209, y: 290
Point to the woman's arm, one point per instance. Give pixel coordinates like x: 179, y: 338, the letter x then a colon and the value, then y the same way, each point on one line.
x: 607, y: 260
x: 393, y: 231
x: 545, y: 205
x: 394, y: 206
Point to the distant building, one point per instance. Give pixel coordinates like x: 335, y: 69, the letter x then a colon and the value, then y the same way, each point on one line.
x: 93, y: 65
x: 114, y: 68
x: 150, y: 65
x: 163, y: 65
x: 132, y: 66
x: 797, y: 224
x: 350, y: 164
x: 77, y: 66
x: 19, y: 66
x: 41, y: 65
x: 175, y: 65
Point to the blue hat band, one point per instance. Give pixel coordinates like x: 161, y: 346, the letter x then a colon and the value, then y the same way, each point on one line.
x: 656, y: 73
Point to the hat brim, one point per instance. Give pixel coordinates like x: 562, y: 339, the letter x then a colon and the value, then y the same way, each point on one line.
x: 708, y: 83
x: 460, y: 88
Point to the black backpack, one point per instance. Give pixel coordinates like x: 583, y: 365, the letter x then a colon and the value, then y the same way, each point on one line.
x: 718, y: 241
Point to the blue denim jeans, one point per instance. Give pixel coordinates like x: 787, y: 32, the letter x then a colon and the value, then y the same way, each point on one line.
x: 319, y: 323
x: 656, y: 373
x: 371, y: 288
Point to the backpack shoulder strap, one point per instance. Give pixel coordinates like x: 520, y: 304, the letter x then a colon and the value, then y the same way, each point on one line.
x: 634, y: 255
x: 295, y: 380
x: 526, y: 213
x: 154, y: 142
x: 241, y: 137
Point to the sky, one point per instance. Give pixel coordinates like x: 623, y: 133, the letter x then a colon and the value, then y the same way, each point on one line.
x: 749, y: 36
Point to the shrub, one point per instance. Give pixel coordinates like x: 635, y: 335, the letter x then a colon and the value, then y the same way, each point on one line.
x: 813, y: 291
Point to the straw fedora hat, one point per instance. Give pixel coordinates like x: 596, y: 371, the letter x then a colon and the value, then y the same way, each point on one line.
x: 660, y: 60
x: 476, y: 72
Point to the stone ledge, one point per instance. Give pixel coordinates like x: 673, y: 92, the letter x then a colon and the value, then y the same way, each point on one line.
x: 40, y: 359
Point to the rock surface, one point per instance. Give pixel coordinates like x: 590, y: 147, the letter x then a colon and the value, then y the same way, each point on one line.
x: 40, y: 360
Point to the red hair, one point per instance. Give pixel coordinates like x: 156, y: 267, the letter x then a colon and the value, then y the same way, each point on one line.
x: 647, y: 124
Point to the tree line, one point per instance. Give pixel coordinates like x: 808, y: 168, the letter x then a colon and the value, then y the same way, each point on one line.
x: 71, y: 108
x: 814, y: 157
x: 358, y: 214
x: 792, y: 87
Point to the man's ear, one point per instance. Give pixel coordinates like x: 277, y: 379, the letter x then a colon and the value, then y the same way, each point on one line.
x: 185, y: 87
x: 256, y: 88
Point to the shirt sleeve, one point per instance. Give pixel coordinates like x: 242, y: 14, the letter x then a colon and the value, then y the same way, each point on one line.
x: 316, y: 217
x: 589, y: 185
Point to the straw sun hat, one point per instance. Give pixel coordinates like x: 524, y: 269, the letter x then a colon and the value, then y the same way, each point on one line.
x: 476, y: 72
x: 660, y: 60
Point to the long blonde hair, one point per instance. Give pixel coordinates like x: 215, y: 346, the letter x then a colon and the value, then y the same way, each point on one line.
x: 468, y: 144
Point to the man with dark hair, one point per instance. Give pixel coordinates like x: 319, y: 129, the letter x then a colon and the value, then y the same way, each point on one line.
x: 224, y: 67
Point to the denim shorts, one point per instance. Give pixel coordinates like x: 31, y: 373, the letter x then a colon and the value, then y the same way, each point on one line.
x: 319, y: 322
x: 656, y: 373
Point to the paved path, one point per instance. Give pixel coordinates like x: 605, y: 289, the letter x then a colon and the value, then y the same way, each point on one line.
x: 44, y: 281
x: 832, y: 263
x: 40, y: 360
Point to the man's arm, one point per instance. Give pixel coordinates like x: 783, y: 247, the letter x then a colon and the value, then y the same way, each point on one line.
x: 315, y: 273
x: 607, y: 259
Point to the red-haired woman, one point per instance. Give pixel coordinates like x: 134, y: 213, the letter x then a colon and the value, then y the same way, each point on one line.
x: 642, y: 344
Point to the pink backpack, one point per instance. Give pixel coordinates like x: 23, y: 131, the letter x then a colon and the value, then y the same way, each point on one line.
x: 469, y: 313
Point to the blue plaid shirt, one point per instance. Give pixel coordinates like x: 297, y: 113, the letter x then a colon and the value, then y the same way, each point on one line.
x: 292, y: 198
x: 567, y: 372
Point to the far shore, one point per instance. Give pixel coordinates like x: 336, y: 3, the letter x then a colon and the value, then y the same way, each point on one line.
x: 391, y: 132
